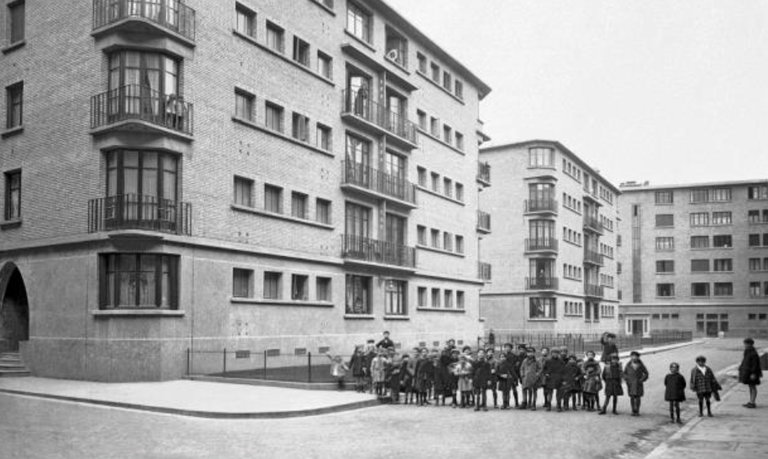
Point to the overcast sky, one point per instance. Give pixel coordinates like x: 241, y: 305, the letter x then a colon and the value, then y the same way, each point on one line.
x: 669, y: 91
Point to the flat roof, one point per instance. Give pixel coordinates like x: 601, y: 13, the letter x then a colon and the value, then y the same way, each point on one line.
x: 410, y: 29
x: 561, y: 147
x: 638, y: 187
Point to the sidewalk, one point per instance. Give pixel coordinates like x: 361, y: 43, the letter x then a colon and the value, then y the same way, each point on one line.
x: 193, y: 398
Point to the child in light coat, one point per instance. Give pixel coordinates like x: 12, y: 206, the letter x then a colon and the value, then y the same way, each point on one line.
x: 339, y: 370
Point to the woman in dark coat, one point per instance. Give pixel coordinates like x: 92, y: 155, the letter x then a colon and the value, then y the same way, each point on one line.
x: 674, y: 393
x: 750, y: 371
x: 612, y: 376
x: 635, y: 374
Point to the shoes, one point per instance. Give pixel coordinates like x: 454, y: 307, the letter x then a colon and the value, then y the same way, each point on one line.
x: 601, y: 412
x: 477, y: 409
x: 710, y: 415
x: 485, y: 409
x: 679, y: 421
x: 614, y: 412
x: 750, y: 405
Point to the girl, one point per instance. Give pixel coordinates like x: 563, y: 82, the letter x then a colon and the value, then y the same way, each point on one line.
x: 377, y: 372
x: 357, y: 365
x: 463, y: 371
x: 703, y: 382
x: 635, y: 374
x: 612, y: 378
x: 530, y: 374
x: 571, y: 374
x: 592, y: 383
x: 675, y: 391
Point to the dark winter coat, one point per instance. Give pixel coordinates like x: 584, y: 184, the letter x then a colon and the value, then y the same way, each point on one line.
x: 406, y: 377
x: 571, y: 377
x: 358, y: 366
x: 530, y: 373
x: 444, y: 380
x: 507, y: 375
x: 750, y: 365
x: 481, y: 374
x: 675, y: 387
x: 592, y: 382
x: 425, y: 375
x: 704, y: 383
x: 612, y: 376
x: 553, y: 373
x: 635, y: 377
x: 608, y: 350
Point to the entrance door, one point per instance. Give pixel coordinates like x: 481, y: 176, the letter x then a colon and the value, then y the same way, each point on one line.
x: 637, y: 327
x: 712, y: 329
x: 14, y: 312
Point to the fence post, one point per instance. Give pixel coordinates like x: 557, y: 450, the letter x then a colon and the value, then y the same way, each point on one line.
x: 265, y: 365
x: 225, y: 362
x: 309, y: 367
x: 189, y: 361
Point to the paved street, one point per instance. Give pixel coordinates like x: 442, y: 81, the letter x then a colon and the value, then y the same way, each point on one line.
x: 35, y: 428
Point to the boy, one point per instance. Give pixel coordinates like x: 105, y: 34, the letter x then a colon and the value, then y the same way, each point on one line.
x: 530, y: 375
x: 406, y: 377
x: 703, y: 382
x: 463, y: 371
x: 571, y: 373
x: 750, y: 371
x: 553, y: 375
x: 385, y: 342
x: 635, y: 375
x: 339, y: 370
x: 481, y: 379
x: 609, y: 347
x: 494, y: 382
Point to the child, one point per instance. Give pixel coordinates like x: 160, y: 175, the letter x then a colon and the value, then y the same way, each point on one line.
x: 339, y: 370
x: 370, y: 354
x: 507, y: 377
x: 592, y: 383
x: 357, y: 365
x: 530, y: 374
x: 494, y: 381
x: 571, y: 374
x: 675, y: 391
x: 481, y: 379
x: 463, y: 371
x: 579, y: 387
x: 635, y: 374
x: 377, y: 372
x: 703, y: 382
x: 553, y: 376
x: 406, y: 377
x: 393, y: 378
x: 612, y: 377
x: 425, y: 374
x: 608, y: 340
x: 750, y: 371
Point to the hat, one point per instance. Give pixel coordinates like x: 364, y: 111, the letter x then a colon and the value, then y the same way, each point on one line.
x: 749, y: 341
x: 635, y: 353
x: 701, y: 358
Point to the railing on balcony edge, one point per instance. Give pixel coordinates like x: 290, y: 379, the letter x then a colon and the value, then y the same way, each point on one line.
x: 593, y: 290
x: 532, y: 245
x: 483, y: 221
x: 358, y: 174
x: 593, y: 257
x: 133, y: 211
x: 483, y: 271
x: 376, y: 251
x: 483, y: 172
x: 169, y: 14
x: 541, y: 205
x: 359, y: 104
x: 135, y: 102
x: 541, y: 283
x: 593, y: 223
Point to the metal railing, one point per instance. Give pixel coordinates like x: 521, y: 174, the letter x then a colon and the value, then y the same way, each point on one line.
x: 132, y: 211
x: 596, y: 291
x: 541, y: 205
x: 483, y: 221
x: 484, y: 172
x: 541, y: 283
x: 592, y: 256
x: 268, y: 365
x: 533, y: 245
x: 483, y: 271
x: 376, y: 251
x: 359, y: 104
x: 578, y: 343
x: 593, y: 223
x: 169, y: 14
x: 354, y: 173
x: 135, y: 102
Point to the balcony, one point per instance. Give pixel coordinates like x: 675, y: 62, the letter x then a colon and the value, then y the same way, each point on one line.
x: 484, y: 271
x: 167, y: 17
x: 359, y: 248
x: 480, y: 130
x: 541, y: 283
x: 593, y: 257
x: 541, y: 245
x: 483, y: 222
x: 541, y: 206
x: 138, y: 212
x: 594, y: 291
x: 140, y: 108
x: 359, y: 110
x: 376, y: 183
x: 484, y: 173
x: 593, y: 224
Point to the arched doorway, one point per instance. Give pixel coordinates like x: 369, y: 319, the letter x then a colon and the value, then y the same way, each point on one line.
x: 14, y: 309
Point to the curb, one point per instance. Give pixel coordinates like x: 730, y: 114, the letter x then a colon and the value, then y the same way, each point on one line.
x: 657, y: 350
x: 198, y: 413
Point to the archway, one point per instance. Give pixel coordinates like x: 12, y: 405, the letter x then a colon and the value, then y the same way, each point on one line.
x: 14, y: 309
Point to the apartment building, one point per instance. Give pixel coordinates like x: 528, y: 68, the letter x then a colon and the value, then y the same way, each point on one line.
x: 287, y: 176
x: 696, y: 258
x: 554, y: 243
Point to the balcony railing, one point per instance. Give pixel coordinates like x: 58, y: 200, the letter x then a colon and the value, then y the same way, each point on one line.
x: 541, y: 283
x: 359, y: 104
x: 592, y: 223
x: 358, y: 174
x: 595, y: 291
x: 138, y: 212
x: 483, y: 221
x: 544, y: 244
x: 141, y: 103
x: 484, y: 173
x: 172, y: 15
x: 375, y: 251
x: 483, y: 271
x: 591, y: 256
x: 541, y: 205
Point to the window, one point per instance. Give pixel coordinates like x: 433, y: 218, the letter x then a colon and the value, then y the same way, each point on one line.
x: 699, y: 195
x: 246, y: 20
x: 723, y: 264
x: 243, y: 192
x: 460, y: 141
x: 700, y: 219
x: 144, y: 80
x: 721, y: 218
x: 273, y: 199
x: 13, y: 195
x: 357, y: 220
x: 435, y: 72
x: 700, y: 289
x: 447, y: 186
x: 459, y: 89
x: 541, y: 157
x: 274, y: 117
x: 15, y: 110
x: 435, y: 182
x: 699, y: 242
x: 421, y: 297
x: 422, y: 62
x: 664, y: 244
x: 244, y: 105
x: 665, y: 266
x: 436, y: 238
x: 434, y: 126
x: 134, y: 281
x: 272, y: 285
x: 436, y: 298
x: 722, y: 241
x: 448, y: 295
x: 300, y: 127
x: 301, y: 51
x: 459, y: 299
x: 459, y: 244
x: 422, y: 117
x: 421, y: 235
x: 720, y: 195
x: 422, y: 176
x: 395, y: 298
x: 242, y: 283
x: 299, y: 205
x: 396, y: 47
x: 665, y: 220
x: 359, y: 22
x: 447, y: 241
x: 723, y: 289
x: 700, y: 266
x: 447, y: 134
x: 323, y: 211
x: 664, y: 197
x: 324, y: 137
x: 324, y: 65
x: 16, y: 19
x: 459, y: 192
x: 323, y: 289
x: 358, y: 295
x: 275, y: 37
x: 447, y: 81
x: 299, y: 287
x: 756, y: 192
x: 543, y: 308
x: 754, y: 290
x: 665, y: 290
x: 755, y: 265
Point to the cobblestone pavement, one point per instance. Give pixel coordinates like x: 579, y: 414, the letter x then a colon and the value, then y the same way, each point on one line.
x: 35, y: 428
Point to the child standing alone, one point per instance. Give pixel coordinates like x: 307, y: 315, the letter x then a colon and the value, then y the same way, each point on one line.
x: 675, y: 391
x: 703, y: 382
